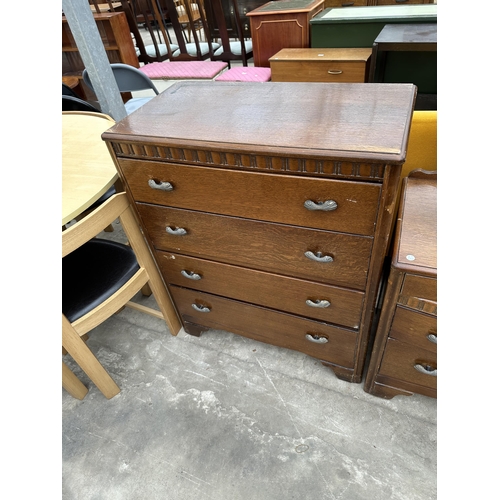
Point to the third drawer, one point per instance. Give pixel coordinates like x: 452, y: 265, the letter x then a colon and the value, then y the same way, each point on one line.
x: 336, y: 305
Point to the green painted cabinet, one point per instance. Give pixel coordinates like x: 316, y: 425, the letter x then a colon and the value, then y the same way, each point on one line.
x: 359, y: 27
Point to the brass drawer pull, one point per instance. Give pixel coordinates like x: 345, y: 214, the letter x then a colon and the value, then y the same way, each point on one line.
x: 318, y: 303
x: 178, y: 231
x: 316, y: 338
x: 335, y: 71
x: 432, y: 337
x: 324, y: 206
x: 318, y: 256
x: 202, y: 309
x: 426, y: 370
x: 162, y: 186
x: 190, y: 275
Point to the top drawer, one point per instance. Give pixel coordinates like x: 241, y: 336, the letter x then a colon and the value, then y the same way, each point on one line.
x: 343, y: 206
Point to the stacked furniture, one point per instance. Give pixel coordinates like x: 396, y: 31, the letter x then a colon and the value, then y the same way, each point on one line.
x: 404, y: 359
x: 273, y: 224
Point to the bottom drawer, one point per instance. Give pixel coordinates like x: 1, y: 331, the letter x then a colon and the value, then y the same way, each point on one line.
x: 401, y: 359
x: 325, y: 342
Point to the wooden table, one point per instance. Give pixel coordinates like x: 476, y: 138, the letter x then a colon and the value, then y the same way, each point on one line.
x: 88, y: 169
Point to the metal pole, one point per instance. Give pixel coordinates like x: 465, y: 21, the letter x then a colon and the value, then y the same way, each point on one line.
x: 89, y: 43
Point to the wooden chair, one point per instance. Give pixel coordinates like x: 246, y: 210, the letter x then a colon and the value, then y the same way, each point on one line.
x: 100, y: 277
x: 229, y: 31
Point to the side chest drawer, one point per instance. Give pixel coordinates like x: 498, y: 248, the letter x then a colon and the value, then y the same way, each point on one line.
x: 343, y: 206
x: 301, y: 297
x: 415, y: 328
x: 316, y: 339
x: 419, y: 287
x: 327, y: 257
x: 410, y: 364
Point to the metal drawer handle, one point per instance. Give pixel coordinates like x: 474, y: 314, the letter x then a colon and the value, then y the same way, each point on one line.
x: 190, y: 275
x: 162, y: 186
x: 316, y: 338
x: 335, y: 71
x: 318, y: 303
x: 202, y: 309
x: 401, y: 1
x: 426, y: 370
x: 347, y: 4
x: 324, y: 206
x: 432, y: 337
x: 318, y: 256
x: 178, y: 231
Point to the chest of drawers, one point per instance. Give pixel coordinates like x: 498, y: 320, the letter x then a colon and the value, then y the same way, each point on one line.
x: 321, y: 65
x: 268, y: 207
x: 404, y: 359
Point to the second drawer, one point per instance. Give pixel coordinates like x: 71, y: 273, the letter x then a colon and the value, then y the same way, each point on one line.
x: 415, y: 328
x: 327, y: 257
x: 304, y: 298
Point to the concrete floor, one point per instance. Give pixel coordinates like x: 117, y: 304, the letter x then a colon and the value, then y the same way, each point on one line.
x: 222, y: 417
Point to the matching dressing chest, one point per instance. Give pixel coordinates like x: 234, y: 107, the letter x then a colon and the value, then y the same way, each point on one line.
x: 404, y: 355
x: 269, y: 207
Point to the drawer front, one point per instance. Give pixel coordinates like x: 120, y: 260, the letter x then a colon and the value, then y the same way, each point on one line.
x: 319, y: 71
x: 261, y: 245
x: 400, y: 359
x: 265, y: 325
x: 269, y: 197
x: 303, y: 298
x: 415, y: 328
x: 345, y: 3
x: 419, y: 287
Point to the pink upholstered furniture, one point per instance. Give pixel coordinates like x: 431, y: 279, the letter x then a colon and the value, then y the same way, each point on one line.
x: 245, y: 74
x: 184, y: 70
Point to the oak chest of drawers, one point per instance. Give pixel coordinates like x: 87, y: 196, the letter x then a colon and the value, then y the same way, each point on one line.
x: 268, y: 207
x: 321, y: 65
x: 404, y: 359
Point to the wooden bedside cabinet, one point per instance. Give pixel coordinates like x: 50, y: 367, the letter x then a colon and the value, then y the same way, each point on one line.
x: 321, y: 65
x: 404, y: 355
x: 269, y: 206
x: 277, y: 25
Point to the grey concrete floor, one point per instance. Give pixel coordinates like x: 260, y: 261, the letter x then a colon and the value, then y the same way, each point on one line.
x: 222, y: 417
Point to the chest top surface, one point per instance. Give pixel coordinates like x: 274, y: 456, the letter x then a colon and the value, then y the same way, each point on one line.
x: 359, y: 121
x: 417, y: 237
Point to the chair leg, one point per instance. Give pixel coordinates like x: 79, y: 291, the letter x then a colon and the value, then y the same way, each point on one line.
x: 85, y: 358
x: 72, y: 383
x: 146, y: 290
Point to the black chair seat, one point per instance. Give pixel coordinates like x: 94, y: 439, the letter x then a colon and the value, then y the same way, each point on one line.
x: 110, y: 192
x: 101, y: 268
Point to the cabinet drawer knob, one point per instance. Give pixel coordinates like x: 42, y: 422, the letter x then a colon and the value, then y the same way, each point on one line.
x: 432, y: 337
x: 202, y: 309
x: 316, y: 338
x: 335, y: 71
x: 426, y: 369
x: 162, y: 186
x: 318, y: 256
x: 323, y: 206
x: 318, y: 303
x: 190, y: 275
x: 176, y: 231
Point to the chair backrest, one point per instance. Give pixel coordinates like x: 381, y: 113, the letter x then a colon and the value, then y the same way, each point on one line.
x: 70, y: 103
x: 128, y: 78
x: 226, y: 26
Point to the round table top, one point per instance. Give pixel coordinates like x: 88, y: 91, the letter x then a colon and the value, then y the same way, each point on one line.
x: 88, y: 170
